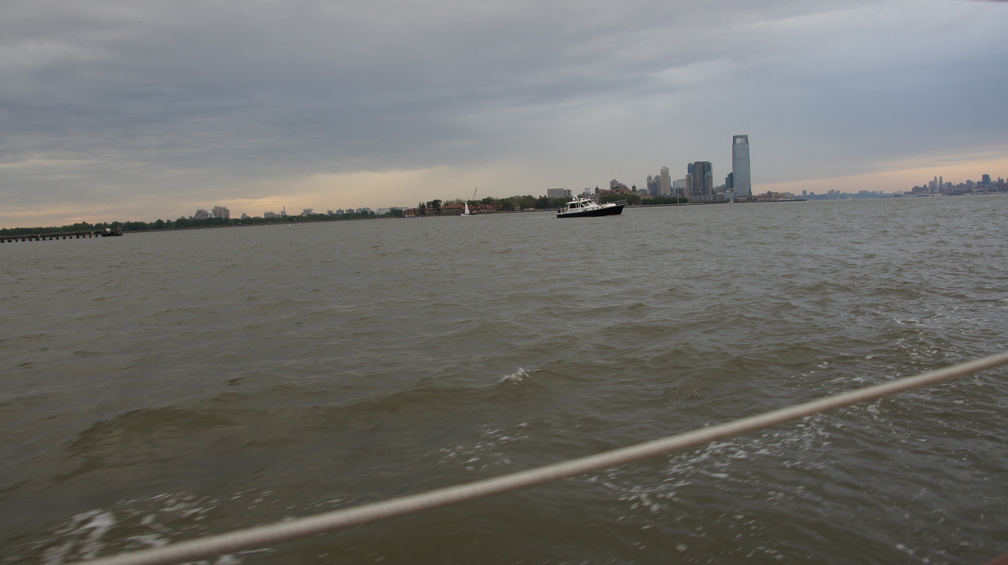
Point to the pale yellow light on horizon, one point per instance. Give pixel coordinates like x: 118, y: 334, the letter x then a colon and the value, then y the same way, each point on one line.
x: 56, y: 216
x: 332, y: 191
x: 374, y: 190
x: 320, y: 192
x: 901, y: 177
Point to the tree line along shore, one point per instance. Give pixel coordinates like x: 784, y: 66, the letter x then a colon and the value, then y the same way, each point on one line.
x: 430, y: 208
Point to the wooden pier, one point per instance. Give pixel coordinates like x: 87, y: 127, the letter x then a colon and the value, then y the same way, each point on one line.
x: 108, y: 232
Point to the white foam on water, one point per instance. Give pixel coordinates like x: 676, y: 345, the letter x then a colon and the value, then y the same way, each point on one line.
x: 86, y: 531
x: 98, y: 532
x: 488, y: 451
x: 518, y: 376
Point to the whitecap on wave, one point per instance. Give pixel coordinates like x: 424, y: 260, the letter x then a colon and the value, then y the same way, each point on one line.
x: 518, y: 376
x: 132, y: 525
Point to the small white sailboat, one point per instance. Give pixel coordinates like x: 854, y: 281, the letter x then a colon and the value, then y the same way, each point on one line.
x: 466, y: 212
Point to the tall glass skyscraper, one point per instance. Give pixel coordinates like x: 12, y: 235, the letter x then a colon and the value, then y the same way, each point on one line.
x: 700, y: 181
x: 741, y: 181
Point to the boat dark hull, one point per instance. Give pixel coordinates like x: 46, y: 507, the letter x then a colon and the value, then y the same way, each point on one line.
x: 607, y: 211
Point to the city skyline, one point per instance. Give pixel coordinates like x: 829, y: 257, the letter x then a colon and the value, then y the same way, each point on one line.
x: 936, y: 186
x: 142, y: 111
x: 985, y: 184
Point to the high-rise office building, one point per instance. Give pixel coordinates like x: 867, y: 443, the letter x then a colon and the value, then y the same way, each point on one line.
x: 700, y: 181
x: 741, y: 181
x: 666, y: 183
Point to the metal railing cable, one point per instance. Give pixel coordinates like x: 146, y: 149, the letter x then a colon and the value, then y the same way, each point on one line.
x: 269, y: 534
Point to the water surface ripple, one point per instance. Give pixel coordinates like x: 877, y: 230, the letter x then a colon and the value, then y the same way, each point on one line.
x: 162, y: 386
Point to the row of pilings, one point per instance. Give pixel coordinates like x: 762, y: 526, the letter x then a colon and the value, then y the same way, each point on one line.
x: 107, y: 232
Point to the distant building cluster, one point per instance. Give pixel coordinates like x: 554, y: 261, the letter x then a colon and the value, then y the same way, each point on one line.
x: 225, y: 214
x: 215, y: 212
x: 938, y: 185
x: 698, y: 184
x: 311, y: 212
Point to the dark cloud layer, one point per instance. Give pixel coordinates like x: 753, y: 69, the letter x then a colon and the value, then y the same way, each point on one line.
x: 195, y: 100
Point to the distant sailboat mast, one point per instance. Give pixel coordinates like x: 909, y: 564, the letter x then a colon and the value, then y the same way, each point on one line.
x: 466, y: 211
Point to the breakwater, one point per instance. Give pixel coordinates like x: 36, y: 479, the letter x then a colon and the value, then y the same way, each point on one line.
x: 108, y: 232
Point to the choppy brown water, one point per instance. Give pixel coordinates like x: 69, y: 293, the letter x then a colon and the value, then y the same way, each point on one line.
x: 163, y: 386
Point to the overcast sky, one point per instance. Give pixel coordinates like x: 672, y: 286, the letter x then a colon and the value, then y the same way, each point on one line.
x: 139, y: 110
